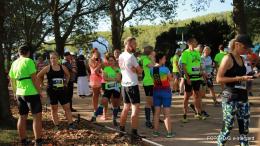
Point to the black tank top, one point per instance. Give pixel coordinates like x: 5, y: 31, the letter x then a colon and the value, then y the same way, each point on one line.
x: 235, y: 87
x: 54, y: 74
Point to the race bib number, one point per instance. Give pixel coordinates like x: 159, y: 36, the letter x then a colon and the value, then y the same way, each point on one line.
x: 111, y: 85
x: 57, y: 82
x: 240, y: 85
x: 195, y: 69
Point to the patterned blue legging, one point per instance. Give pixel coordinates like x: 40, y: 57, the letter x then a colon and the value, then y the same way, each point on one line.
x: 233, y: 109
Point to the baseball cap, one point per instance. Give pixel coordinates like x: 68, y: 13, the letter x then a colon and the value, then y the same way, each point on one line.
x: 245, y: 40
x: 178, y: 49
x: 66, y: 54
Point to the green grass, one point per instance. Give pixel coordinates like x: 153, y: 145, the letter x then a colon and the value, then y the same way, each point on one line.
x: 8, y: 135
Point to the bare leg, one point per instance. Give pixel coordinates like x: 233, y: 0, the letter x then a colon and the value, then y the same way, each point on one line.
x: 54, y: 113
x: 186, y: 98
x: 104, y: 102
x: 167, y: 119
x: 21, y: 126
x: 182, y: 85
x: 157, y: 111
x: 96, y: 92
x: 124, y: 114
x: 212, y: 93
x: 196, y: 100
x: 175, y: 84
x: 66, y: 108
x: 37, y: 125
x: 135, y: 115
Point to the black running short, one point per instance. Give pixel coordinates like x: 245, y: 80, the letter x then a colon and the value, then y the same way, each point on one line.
x: 182, y: 74
x: 115, y: 93
x: 103, y: 86
x: 55, y: 96
x: 195, y: 85
x: 176, y: 75
x: 131, y: 94
x: 148, y: 90
x: 29, y: 102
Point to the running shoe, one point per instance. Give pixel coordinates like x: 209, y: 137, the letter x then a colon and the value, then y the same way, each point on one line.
x: 216, y: 103
x: 250, y: 93
x: 73, y: 110
x: 176, y: 93
x: 91, y: 94
x: 170, y: 134
x: 192, y: 108
x: 114, y: 122
x: 204, y: 114
x: 207, y: 91
x: 72, y: 127
x: 93, y: 120
x: 199, y: 116
x: 57, y: 127
x: 122, y: 134
x: 160, y: 121
x: 41, y: 143
x: 173, y: 92
x: 181, y: 93
x: 185, y: 120
x: 155, y: 134
x: 149, y: 125
x: 26, y: 143
x: 103, y: 117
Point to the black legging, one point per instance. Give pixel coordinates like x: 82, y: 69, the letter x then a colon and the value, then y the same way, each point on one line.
x: 70, y: 92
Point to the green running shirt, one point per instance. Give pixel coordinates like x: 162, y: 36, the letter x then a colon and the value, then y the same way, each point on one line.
x: 111, y: 74
x: 192, y: 60
x: 148, y: 80
x: 219, y: 57
x: 23, y: 68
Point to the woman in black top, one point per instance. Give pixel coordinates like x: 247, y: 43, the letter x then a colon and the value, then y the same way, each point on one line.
x: 82, y: 82
x: 56, y: 90
x: 235, y: 103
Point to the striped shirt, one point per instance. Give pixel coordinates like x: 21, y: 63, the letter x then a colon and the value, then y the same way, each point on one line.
x: 68, y: 65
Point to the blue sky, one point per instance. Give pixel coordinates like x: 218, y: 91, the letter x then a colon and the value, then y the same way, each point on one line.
x: 184, y: 12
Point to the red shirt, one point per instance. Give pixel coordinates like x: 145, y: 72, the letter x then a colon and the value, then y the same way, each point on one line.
x: 254, y: 56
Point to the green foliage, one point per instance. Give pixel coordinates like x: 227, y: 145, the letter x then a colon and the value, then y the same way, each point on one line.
x: 212, y: 34
x: 146, y: 34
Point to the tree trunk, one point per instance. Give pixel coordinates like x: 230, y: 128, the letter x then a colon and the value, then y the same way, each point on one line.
x: 115, y: 25
x: 60, y: 44
x: 5, y: 112
x: 239, y: 17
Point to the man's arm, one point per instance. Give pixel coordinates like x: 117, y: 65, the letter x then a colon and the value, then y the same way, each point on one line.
x: 13, y: 85
x: 176, y: 63
x: 216, y: 66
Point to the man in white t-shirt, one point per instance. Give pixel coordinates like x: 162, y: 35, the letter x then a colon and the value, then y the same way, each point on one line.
x: 130, y: 90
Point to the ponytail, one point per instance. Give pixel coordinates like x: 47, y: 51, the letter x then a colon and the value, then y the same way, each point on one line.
x: 232, y: 45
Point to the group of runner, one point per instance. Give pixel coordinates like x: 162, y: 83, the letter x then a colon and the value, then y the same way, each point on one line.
x: 118, y: 78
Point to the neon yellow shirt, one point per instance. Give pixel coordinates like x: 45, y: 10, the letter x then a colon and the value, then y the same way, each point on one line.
x: 219, y: 57
x: 192, y: 60
x: 148, y: 80
x: 175, y: 58
x: 111, y: 74
x: 22, y: 68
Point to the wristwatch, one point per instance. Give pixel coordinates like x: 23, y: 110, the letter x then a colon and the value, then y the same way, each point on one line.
x: 117, y: 71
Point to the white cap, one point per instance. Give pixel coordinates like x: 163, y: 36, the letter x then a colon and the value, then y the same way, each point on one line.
x: 72, y: 54
x: 177, y: 50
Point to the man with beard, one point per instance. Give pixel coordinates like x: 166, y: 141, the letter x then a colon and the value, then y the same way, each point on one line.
x: 130, y: 90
